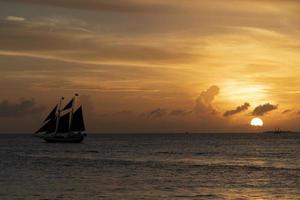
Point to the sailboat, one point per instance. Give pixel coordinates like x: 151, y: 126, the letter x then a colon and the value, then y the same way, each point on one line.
x: 63, y: 125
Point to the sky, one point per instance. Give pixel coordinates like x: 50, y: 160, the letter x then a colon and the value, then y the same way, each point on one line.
x: 150, y: 66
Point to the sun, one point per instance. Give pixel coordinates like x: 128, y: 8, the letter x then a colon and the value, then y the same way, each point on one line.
x: 257, y: 122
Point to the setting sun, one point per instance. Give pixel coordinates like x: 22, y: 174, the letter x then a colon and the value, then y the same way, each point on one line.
x: 257, y: 122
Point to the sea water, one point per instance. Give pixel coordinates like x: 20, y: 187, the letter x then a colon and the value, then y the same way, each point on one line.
x: 151, y: 166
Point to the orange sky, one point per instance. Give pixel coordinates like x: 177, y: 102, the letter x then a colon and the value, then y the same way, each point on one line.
x: 152, y: 66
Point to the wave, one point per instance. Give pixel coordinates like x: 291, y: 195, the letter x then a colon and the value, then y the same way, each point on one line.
x: 169, y: 152
x: 163, y: 164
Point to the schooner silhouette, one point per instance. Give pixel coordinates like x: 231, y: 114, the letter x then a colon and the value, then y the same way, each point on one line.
x: 63, y: 125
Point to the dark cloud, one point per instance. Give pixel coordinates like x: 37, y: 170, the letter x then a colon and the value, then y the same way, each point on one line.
x: 24, y: 107
x: 204, y: 101
x: 264, y: 109
x: 238, y: 109
x: 286, y: 111
x: 157, y: 113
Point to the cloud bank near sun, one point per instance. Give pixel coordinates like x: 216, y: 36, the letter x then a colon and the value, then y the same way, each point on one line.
x: 237, y: 110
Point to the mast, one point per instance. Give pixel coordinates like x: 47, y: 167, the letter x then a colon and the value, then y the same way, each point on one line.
x: 58, y: 114
x: 72, y: 111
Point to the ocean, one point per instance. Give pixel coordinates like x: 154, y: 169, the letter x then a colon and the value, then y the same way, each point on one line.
x: 151, y: 166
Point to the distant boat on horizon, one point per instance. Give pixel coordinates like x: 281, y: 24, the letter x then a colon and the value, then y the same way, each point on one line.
x: 278, y: 131
x: 63, y: 125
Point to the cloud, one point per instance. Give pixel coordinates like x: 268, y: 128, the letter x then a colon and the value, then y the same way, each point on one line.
x: 124, y: 112
x: 15, y: 18
x: 24, y: 107
x: 238, y: 109
x: 203, y: 106
x: 264, y: 109
x: 286, y: 111
x: 156, y: 6
x: 128, y: 6
x: 204, y: 101
x: 66, y: 42
x: 179, y: 112
x: 157, y: 113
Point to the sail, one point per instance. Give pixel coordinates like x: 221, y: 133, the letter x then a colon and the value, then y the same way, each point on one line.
x: 63, y: 125
x: 48, y: 127
x: 52, y: 114
x: 69, y: 105
x: 77, y: 120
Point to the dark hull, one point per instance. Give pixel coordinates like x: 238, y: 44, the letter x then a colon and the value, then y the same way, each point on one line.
x: 71, y: 139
